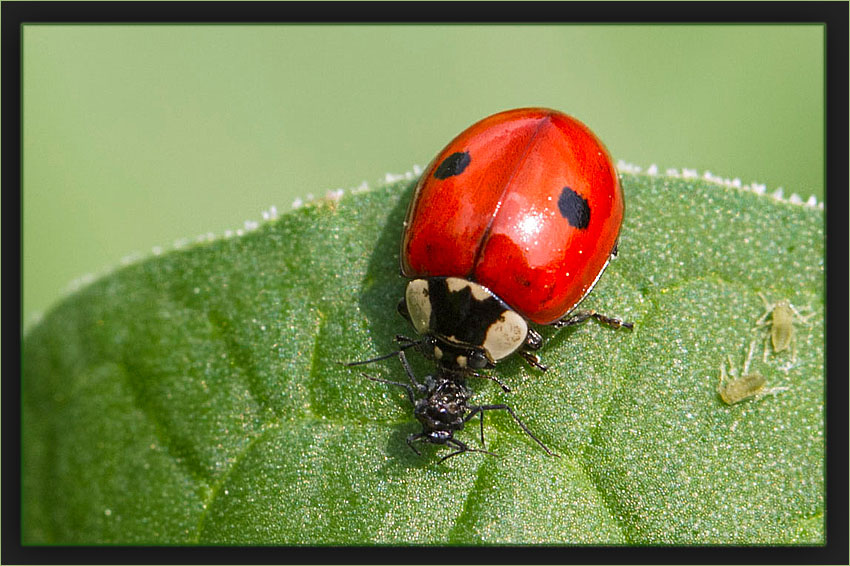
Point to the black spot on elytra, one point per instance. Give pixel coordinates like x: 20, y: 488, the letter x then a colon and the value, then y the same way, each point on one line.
x: 453, y: 165
x: 574, y: 208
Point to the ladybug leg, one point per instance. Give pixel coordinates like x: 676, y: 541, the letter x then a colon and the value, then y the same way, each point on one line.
x: 533, y: 360
x: 582, y: 315
x: 405, y: 344
x: 504, y: 387
x: 370, y: 360
x: 533, y: 342
x: 501, y: 407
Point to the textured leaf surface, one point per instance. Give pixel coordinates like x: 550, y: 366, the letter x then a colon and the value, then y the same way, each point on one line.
x: 196, y: 397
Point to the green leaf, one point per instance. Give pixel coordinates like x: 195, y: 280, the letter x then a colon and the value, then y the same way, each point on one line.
x: 196, y: 397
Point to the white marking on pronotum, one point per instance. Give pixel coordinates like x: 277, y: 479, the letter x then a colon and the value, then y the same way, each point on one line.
x: 506, y: 335
x: 418, y: 305
x: 479, y: 292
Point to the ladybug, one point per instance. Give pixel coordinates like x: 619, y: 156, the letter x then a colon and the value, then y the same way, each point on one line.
x: 512, y: 223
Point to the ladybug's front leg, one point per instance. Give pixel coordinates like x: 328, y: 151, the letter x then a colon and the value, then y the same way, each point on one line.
x: 533, y: 342
x: 533, y: 360
x: 577, y: 317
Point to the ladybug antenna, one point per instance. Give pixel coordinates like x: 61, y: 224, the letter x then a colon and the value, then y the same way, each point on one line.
x: 504, y: 387
x: 405, y: 344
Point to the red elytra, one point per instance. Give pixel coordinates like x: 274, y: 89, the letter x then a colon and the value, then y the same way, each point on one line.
x: 525, y: 202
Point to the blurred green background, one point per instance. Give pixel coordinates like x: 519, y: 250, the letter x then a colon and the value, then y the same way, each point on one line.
x: 137, y: 136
